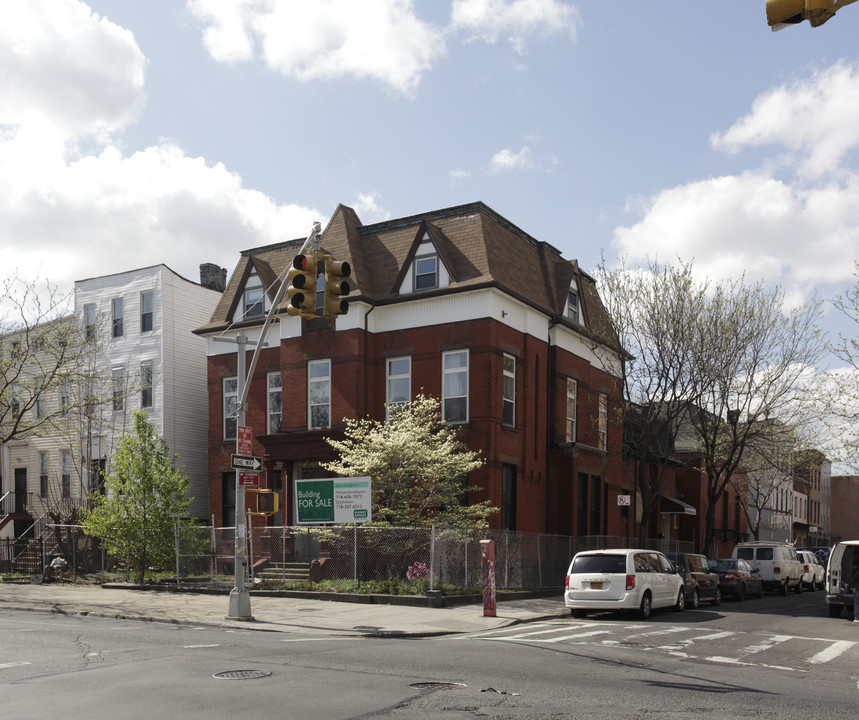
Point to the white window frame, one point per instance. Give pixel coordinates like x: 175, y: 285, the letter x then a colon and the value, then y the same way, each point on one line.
x: 274, y: 402
x: 147, y: 384
x: 446, y: 395
x: 147, y: 315
x: 43, y: 474
x: 65, y: 473
x: 117, y: 388
x: 318, y: 379
x: 572, y: 403
x: 230, y: 395
x: 508, y: 390
x: 65, y: 399
x: 421, y: 259
x: 117, y: 312
x: 392, y: 377
x: 90, y: 322
x: 573, y: 305
x: 603, y: 421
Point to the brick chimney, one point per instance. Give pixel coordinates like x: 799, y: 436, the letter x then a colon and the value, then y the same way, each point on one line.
x: 213, y: 277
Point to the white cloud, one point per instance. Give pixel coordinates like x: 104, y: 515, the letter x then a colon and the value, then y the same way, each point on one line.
x: 368, y: 209
x: 797, y: 230
x: 458, y: 176
x: 816, y: 119
x: 63, y: 65
x: 379, y: 39
x: 506, y: 159
x: 517, y: 20
x: 66, y: 215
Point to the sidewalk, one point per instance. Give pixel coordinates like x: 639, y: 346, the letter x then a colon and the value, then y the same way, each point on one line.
x: 274, y: 614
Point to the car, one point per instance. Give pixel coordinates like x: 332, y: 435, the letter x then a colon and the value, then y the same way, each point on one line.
x: 777, y: 563
x: 813, y: 573
x: 737, y: 578
x: 839, y: 577
x: 701, y: 584
x: 625, y: 579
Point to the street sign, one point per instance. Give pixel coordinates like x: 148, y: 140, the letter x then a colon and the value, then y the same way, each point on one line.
x: 246, y: 462
x: 244, y: 445
x: 333, y: 500
x: 623, y: 500
x: 249, y: 479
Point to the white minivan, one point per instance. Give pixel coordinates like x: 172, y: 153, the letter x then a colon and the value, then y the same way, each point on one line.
x: 777, y: 563
x: 623, y: 579
x: 839, y: 577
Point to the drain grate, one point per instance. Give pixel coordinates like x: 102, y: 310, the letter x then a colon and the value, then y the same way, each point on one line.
x: 436, y: 685
x: 241, y: 674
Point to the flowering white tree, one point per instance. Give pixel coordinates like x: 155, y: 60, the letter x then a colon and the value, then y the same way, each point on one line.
x: 417, y: 466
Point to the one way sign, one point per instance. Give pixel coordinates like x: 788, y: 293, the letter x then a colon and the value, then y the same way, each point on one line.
x: 246, y: 462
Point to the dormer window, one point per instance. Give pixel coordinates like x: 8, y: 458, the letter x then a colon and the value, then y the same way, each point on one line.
x: 254, y: 298
x: 253, y: 303
x: 426, y: 272
x: 573, y: 306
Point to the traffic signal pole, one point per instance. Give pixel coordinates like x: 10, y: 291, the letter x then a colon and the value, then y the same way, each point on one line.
x: 240, y: 598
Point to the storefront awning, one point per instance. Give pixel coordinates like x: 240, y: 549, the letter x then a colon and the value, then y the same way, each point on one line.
x: 673, y: 506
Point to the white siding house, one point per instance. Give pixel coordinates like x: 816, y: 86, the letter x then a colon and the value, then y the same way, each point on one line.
x: 145, y: 318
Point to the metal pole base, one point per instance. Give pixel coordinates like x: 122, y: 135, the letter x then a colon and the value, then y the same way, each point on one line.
x: 240, y: 605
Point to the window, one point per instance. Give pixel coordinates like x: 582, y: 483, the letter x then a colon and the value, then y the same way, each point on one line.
x: 319, y: 394
x: 66, y: 473
x: 43, y: 475
x: 146, y: 323
x: 603, y: 422
x: 455, y: 386
x: 399, y: 384
x: 65, y: 400
x: 573, y: 306
x: 118, y: 388
x: 508, y: 497
x: 572, y: 404
x: 254, y: 302
x: 275, y: 402
x: 426, y: 272
x: 15, y: 351
x: 231, y: 407
x: 39, y: 403
x: 146, y: 385
x: 508, y: 400
x: 15, y: 405
x: 89, y: 322
x: 116, y: 313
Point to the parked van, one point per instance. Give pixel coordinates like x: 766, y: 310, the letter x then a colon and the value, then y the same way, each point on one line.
x: 839, y: 577
x: 777, y: 563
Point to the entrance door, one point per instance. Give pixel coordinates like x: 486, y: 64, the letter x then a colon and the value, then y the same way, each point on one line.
x: 20, y: 490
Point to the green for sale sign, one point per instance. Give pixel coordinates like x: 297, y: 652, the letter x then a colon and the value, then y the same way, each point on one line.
x: 333, y: 500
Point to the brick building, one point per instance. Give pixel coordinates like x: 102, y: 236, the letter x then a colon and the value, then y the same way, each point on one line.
x: 456, y: 303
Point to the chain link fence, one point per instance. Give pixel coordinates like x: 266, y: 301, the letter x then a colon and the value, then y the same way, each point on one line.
x: 384, y: 559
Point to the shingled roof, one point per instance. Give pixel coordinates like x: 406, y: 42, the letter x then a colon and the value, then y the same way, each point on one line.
x: 478, y: 247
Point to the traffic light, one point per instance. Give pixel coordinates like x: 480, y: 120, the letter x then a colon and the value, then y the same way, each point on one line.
x: 302, y: 286
x: 335, y: 287
x: 267, y: 502
x: 781, y: 13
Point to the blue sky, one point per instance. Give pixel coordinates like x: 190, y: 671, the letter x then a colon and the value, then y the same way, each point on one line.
x: 137, y: 133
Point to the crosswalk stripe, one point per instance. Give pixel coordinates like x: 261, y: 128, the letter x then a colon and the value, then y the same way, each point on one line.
x: 839, y: 647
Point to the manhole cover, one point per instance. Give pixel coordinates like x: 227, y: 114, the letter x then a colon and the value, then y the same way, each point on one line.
x: 241, y: 674
x: 437, y: 685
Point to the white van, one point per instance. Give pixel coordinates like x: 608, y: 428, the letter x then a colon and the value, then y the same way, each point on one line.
x: 777, y: 563
x: 625, y: 579
x: 839, y: 577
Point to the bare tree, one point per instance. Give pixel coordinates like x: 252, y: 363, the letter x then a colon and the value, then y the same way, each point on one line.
x: 39, y: 347
x: 654, y: 312
x: 754, y: 357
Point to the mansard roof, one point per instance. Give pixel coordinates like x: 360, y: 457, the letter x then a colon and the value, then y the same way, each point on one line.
x: 478, y: 247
